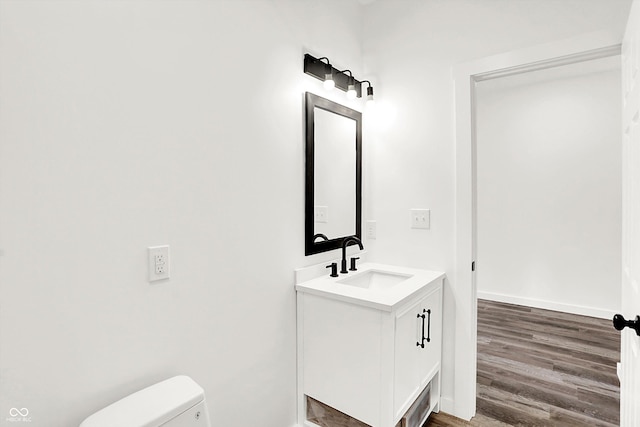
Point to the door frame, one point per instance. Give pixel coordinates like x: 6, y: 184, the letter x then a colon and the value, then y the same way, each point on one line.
x: 578, y: 49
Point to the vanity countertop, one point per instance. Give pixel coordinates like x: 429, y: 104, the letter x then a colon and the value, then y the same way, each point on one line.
x: 410, y: 282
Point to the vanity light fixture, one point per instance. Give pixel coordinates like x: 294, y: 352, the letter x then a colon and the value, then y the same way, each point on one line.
x: 325, y: 72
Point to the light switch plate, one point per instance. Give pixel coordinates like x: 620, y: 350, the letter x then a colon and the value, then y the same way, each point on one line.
x: 421, y: 218
x: 158, y: 262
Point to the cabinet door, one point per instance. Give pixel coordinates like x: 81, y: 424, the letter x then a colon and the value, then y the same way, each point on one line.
x: 414, y: 364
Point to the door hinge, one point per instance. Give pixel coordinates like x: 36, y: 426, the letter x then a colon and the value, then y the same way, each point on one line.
x: 473, y: 266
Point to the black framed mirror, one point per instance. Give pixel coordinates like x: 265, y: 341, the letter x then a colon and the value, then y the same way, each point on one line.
x: 333, y: 190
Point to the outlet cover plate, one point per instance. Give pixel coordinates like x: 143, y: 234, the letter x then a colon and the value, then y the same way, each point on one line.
x: 371, y: 229
x: 321, y: 213
x: 421, y: 218
x: 158, y: 263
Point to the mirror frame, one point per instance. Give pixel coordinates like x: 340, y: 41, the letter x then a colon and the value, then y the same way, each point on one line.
x: 311, y: 102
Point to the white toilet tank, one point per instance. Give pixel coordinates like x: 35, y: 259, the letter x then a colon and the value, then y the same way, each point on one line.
x: 176, y: 402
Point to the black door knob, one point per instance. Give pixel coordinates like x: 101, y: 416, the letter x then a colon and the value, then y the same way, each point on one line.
x: 620, y: 323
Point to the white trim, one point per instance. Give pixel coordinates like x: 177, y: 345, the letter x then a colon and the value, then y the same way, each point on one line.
x: 581, y: 310
x: 552, y: 62
x: 446, y: 405
x: 463, y: 282
x: 301, y: 405
x: 619, y: 371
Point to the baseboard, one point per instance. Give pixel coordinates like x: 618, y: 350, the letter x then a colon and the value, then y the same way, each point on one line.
x: 548, y: 305
x: 446, y: 405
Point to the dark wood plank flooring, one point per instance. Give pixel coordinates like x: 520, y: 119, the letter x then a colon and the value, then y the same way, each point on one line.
x: 543, y: 368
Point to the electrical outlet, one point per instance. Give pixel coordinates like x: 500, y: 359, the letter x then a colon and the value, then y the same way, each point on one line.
x: 158, y: 262
x: 321, y: 213
x: 371, y: 230
x: 421, y: 218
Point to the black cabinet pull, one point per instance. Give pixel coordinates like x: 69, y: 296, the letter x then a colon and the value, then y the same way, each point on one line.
x: 620, y: 323
x: 428, y: 337
x: 429, y: 327
x: 421, y: 344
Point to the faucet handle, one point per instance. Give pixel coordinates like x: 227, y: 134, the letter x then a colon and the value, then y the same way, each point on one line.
x: 353, y: 263
x: 334, y: 269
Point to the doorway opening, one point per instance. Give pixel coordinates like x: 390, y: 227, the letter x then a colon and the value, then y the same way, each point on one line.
x: 549, y: 240
x: 466, y: 76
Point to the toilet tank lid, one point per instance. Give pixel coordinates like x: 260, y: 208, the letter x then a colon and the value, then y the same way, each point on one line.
x: 151, y: 406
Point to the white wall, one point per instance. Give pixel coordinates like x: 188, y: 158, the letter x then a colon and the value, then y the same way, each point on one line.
x: 130, y: 124
x: 549, y: 188
x: 410, y: 48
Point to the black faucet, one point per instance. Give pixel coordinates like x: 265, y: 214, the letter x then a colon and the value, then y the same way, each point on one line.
x: 320, y: 236
x: 345, y: 243
x: 334, y: 269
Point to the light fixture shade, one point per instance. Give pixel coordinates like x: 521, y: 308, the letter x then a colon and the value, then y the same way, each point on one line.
x: 370, y: 99
x: 351, y: 89
x: 328, y: 81
x: 351, y: 92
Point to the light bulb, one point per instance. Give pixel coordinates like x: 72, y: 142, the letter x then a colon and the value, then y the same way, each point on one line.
x: 328, y: 81
x: 351, y: 92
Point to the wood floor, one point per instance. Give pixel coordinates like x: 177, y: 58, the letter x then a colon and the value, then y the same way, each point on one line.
x: 543, y: 368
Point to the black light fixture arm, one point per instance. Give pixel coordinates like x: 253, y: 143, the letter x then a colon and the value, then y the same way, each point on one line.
x: 351, y: 81
x: 327, y: 67
x: 351, y: 85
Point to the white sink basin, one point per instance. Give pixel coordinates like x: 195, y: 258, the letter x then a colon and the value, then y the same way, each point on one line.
x: 376, y: 279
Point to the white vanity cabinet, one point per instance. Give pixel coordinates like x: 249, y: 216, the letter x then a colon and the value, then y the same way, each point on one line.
x: 368, y: 357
